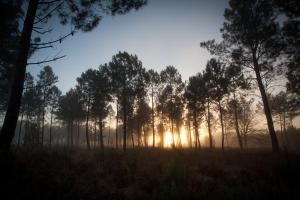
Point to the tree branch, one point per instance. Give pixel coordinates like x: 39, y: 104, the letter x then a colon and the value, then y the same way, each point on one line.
x: 54, y: 41
x: 42, y: 32
x: 48, y: 14
x: 49, y: 2
x: 46, y: 61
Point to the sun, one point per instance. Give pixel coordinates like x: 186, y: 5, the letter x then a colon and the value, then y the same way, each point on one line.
x: 168, y: 139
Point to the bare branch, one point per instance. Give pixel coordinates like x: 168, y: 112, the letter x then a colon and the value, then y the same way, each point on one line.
x: 54, y: 41
x: 39, y: 86
x: 46, y: 61
x: 43, y: 47
x: 49, y: 2
x: 48, y: 14
x: 42, y: 32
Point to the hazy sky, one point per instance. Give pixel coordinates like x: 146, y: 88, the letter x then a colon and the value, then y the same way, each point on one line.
x: 165, y: 32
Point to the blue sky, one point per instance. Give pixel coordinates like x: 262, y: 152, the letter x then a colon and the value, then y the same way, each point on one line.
x: 165, y: 32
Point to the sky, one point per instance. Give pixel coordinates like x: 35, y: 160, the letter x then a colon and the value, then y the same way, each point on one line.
x: 162, y: 33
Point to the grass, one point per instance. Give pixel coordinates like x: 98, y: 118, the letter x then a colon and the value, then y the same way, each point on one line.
x: 149, y: 174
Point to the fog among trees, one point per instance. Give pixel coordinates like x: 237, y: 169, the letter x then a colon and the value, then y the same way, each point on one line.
x: 127, y: 116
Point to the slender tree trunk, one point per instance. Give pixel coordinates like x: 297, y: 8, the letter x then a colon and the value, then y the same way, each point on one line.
x: 117, y: 120
x: 139, y: 133
x: 71, y: 134
x: 78, y: 127
x: 178, y: 134
x: 20, y: 129
x: 197, y: 142
x: 43, y: 115
x: 152, y: 112
x: 284, y: 129
x: 87, y: 125
x: 172, y: 124
x: 222, y: 124
x: 124, y: 123
x: 132, y: 138
x: 208, y: 125
x: 50, y: 131
x: 108, y: 138
x: 267, y: 110
x: 237, y: 123
x: 189, y: 131
x: 101, y: 134
x: 145, y: 137
x: 95, y: 133
x: 12, y: 113
x: 68, y: 132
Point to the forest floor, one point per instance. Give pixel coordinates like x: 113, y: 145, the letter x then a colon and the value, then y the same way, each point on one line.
x: 149, y: 174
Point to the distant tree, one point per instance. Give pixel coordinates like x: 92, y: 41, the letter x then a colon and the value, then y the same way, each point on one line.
x: 102, y: 96
x: 84, y: 15
x: 218, y: 83
x: 29, y: 83
x: 195, y: 95
x: 46, y: 82
x: 254, y: 48
x: 86, y: 86
x: 172, y: 87
x: 54, y: 96
x: 236, y: 82
x: 111, y: 113
x: 70, y: 105
x: 128, y: 80
x: 31, y: 103
x: 154, y: 83
x: 142, y: 118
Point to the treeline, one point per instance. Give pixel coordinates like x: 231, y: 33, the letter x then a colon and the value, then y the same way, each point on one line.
x: 144, y: 105
x: 260, y: 43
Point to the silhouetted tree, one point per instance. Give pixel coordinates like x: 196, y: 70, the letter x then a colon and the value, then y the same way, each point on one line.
x: 54, y: 96
x: 45, y: 83
x: 254, y: 42
x: 237, y: 82
x: 172, y: 86
x: 127, y: 75
x: 154, y: 82
x: 217, y: 83
x: 84, y: 15
x: 195, y: 95
x: 11, y: 12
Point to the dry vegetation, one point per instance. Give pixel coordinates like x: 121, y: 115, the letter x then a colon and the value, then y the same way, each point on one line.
x: 150, y: 174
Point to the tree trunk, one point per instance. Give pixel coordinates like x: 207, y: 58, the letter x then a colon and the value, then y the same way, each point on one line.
x: 101, y: 134
x: 222, y: 124
x: 71, y: 134
x: 197, y: 142
x: 95, y: 133
x: 132, y: 138
x: 78, y: 127
x: 124, y: 123
x: 152, y: 112
x: 87, y: 125
x: 43, y: 116
x: 13, y: 108
x: 209, y: 126
x: 50, y: 131
x: 145, y: 137
x: 20, y: 129
x: 117, y: 120
x: 108, y: 138
x: 237, y: 123
x: 267, y: 110
x: 189, y: 131
x: 284, y: 129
